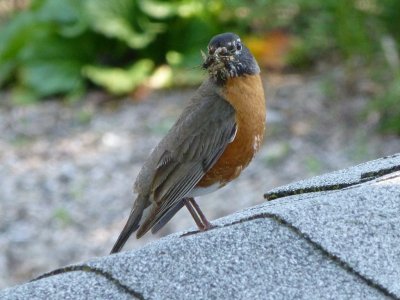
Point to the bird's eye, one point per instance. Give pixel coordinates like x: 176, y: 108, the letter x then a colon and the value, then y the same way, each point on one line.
x: 211, y: 50
x: 239, y: 46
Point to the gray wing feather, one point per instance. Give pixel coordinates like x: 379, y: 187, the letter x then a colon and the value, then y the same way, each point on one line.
x: 182, y: 165
x: 167, y: 216
x: 178, y: 186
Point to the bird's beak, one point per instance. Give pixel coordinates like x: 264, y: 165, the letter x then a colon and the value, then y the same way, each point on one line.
x: 219, y: 53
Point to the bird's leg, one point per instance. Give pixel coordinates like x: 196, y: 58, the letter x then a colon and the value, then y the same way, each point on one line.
x: 194, y: 214
x: 206, y: 224
x: 198, y: 216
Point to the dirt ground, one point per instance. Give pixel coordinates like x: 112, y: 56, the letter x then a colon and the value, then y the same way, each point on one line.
x: 66, y: 171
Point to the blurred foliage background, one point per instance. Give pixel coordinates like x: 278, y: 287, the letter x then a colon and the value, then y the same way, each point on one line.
x: 64, y: 47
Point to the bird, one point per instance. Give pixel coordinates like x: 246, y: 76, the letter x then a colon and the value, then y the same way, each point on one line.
x: 213, y: 140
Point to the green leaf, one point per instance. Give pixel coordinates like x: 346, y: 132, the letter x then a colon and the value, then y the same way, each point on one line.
x: 33, y: 36
x: 67, y: 16
x: 16, y: 35
x: 6, y: 69
x: 45, y: 44
x: 48, y: 77
x: 158, y: 9
x: 123, y: 20
x: 13, y: 38
x: 120, y: 81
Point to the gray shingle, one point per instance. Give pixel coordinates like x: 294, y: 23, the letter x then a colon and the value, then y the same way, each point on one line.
x: 71, y: 285
x: 256, y: 259
x: 338, y: 244
x: 340, y: 179
x: 359, y: 225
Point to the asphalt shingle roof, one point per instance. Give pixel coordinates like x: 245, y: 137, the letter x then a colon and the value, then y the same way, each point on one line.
x: 335, y: 236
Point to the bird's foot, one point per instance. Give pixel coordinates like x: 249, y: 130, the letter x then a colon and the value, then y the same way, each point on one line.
x: 206, y: 225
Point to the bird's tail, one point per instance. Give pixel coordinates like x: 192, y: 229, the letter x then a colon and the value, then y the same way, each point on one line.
x: 131, y: 226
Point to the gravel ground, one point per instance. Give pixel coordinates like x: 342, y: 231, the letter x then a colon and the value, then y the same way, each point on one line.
x: 66, y: 171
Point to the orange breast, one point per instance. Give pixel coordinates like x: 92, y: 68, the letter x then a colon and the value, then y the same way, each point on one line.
x: 246, y: 94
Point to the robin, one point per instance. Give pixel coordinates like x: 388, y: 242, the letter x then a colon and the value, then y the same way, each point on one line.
x: 213, y: 140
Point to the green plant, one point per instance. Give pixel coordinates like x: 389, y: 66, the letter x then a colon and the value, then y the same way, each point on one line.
x: 38, y: 49
x: 57, y: 47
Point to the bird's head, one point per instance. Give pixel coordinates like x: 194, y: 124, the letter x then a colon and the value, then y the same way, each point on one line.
x: 228, y: 57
